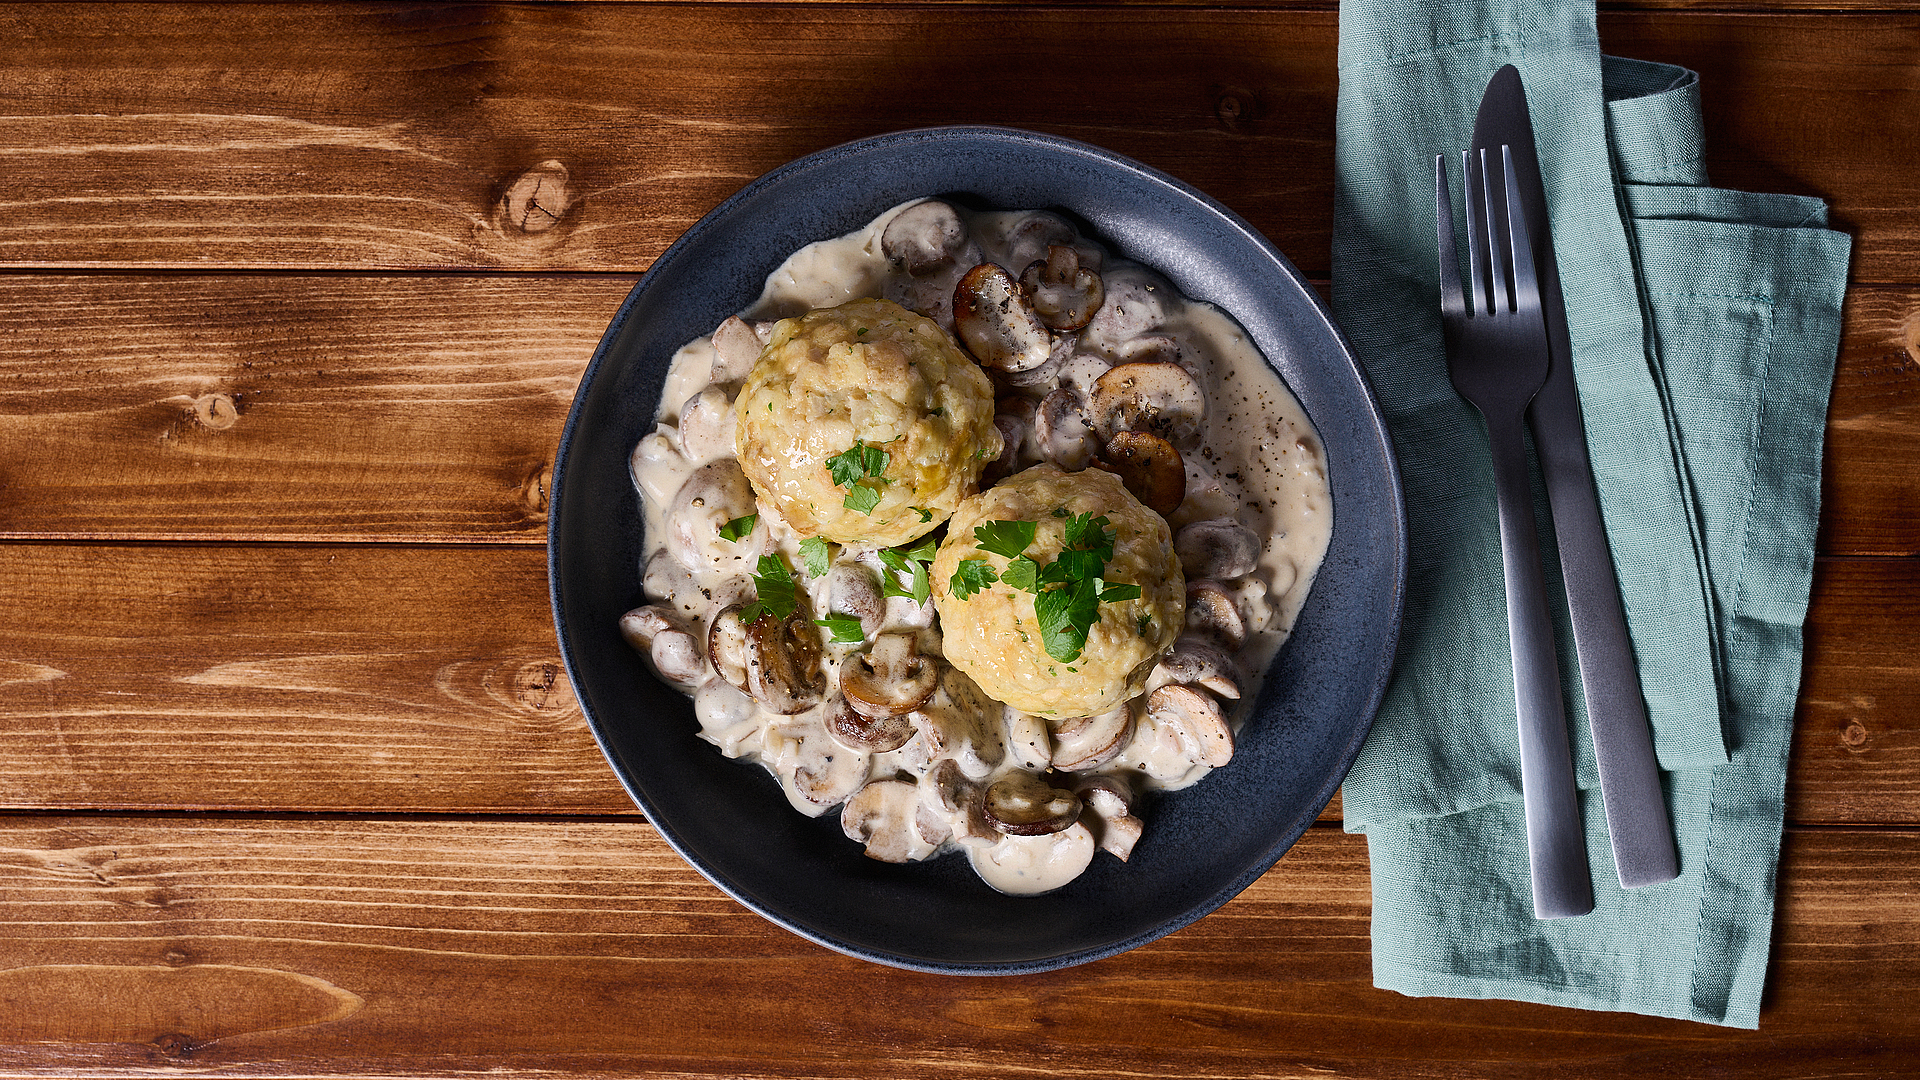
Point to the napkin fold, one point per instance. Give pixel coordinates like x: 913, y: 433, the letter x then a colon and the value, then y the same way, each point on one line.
x: 1705, y: 325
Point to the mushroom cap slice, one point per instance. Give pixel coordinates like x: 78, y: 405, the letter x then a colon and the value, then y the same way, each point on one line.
x: 1061, y: 431
x: 706, y: 426
x: 866, y: 734
x: 923, y: 237
x: 713, y: 495
x: 675, y: 655
x: 735, y: 348
x: 996, y: 322
x: 886, y: 816
x: 1218, y: 548
x: 1211, y: 610
x: 1150, y: 468
x: 775, y: 660
x: 949, y: 791
x: 816, y: 773
x: 1065, y: 294
x: 890, y: 679
x: 1029, y: 865
x: 1109, y: 805
x: 1195, y: 720
x: 1156, y: 397
x: 1081, y: 743
x: 1022, y: 804
x: 854, y: 589
x: 1198, y: 660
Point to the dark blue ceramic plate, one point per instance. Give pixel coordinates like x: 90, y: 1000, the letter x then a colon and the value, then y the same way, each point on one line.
x: 1202, y: 845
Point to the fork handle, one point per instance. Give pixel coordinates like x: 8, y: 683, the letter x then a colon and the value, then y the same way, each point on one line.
x: 1556, y: 842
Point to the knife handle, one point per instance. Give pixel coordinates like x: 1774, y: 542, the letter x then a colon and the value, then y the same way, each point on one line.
x: 1556, y: 842
x: 1636, y: 807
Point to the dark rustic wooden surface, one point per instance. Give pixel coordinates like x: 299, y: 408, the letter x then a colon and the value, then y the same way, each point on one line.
x: 293, y: 782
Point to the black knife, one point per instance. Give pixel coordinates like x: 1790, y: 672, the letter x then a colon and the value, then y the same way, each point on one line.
x: 1636, y: 808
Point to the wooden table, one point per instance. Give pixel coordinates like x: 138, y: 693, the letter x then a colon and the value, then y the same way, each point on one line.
x: 294, y: 301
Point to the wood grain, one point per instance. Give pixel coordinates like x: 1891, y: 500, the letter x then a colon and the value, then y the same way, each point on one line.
x: 289, y: 407
x: 392, y: 677
x: 153, y: 136
x: 429, y: 407
x: 449, y: 948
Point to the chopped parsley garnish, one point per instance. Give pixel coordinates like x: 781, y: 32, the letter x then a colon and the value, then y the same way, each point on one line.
x: 845, y: 629
x: 911, y: 564
x: 1067, y: 592
x: 1006, y: 539
x: 972, y: 576
x: 813, y: 552
x: 925, y: 514
x: 774, y: 592
x: 862, y: 498
x: 739, y: 528
x: 859, y: 462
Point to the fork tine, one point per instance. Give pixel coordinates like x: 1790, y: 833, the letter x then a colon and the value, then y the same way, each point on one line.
x: 1526, y: 284
x: 1496, y: 259
x: 1476, y: 237
x: 1451, y: 301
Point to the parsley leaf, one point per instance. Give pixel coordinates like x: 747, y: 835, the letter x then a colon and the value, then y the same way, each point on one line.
x: 845, y: 628
x: 862, y: 498
x: 1065, y: 615
x: 1006, y: 539
x: 813, y: 551
x: 774, y: 591
x: 1023, y: 574
x: 925, y: 514
x: 1119, y: 591
x: 924, y: 551
x: 857, y: 462
x: 920, y: 589
x: 739, y: 528
x: 972, y: 576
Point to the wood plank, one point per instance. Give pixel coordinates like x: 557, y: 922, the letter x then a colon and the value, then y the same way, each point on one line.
x: 429, y: 407
x: 403, y: 678
x: 164, y: 137
x: 1870, y: 491
x: 289, y: 407
x: 324, y: 947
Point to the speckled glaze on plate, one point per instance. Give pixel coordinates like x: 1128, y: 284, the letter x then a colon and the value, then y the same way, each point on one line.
x: 729, y: 819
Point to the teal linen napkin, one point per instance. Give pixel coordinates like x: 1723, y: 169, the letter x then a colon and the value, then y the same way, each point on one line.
x: 1705, y: 325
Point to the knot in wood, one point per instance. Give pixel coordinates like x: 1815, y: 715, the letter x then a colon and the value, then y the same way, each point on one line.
x: 216, y: 412
x: 537, y: 200
x: 1854, y: 735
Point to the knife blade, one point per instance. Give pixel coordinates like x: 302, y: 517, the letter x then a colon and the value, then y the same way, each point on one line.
x: 1637, y: 819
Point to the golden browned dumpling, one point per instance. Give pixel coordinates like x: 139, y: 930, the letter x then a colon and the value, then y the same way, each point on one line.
x: 864, y: 424
x: 996, y: 634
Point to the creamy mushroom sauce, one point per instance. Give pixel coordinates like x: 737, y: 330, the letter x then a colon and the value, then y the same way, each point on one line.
x: 1258, y: 464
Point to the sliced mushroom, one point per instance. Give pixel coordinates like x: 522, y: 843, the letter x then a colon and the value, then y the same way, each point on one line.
x: 868, y: 734
x: 706, y: 426
x: 816, y: 773
x: 1198, y: 660
x: 923, y: 237
x: 1150, y: 468
x: 736, y: 347
x: 714, y: 495
x: 889, y: 679
x: 1194, y: 721
x: 950, y: 792
x: 952, y: 725
x: 1211, y: 610
x: 1134, y: 305
x: 1109, y: 814
x: 1149, y: 349
x: 1028, y: 740
x: 1087, y: 742
x: 887, y: 817
x: 854, y: 589
x: 656, y: 462
x: 1061, y: 432
x: 1159, y: 398
x: 727, y: 645
x: 1022, y: 804
x: 1065, y: 294
x: 1082, y: 370
x: 1035, y: 381
x: 1029, y: 238
x: 1014, y: 416
x: 996, y: 322
x: 1029, y: 865
x: 669, y: 646
x: 1219, y: 548
x: 726, y: 714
